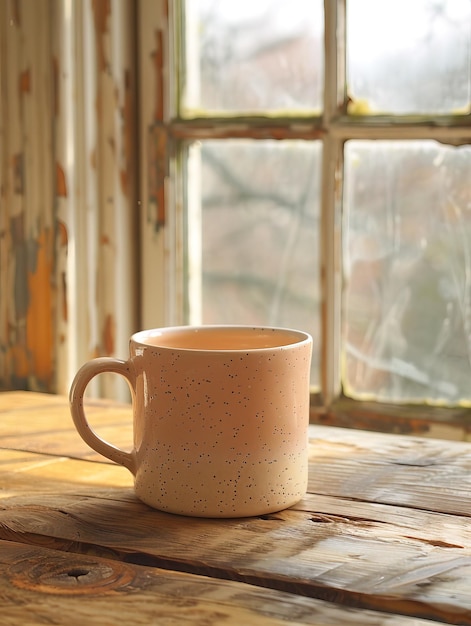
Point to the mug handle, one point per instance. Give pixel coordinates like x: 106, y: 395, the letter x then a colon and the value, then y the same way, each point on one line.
x: 84, y: 375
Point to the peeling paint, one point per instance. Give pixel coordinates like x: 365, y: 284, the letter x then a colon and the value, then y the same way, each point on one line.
x: 63, y: 242
x: 25, y: 81
x: 39, y: 320
x: 101, y: 12
x: 158, y: 170
x: 157, y: 57
x: 109, y: 335
x: 31, y: 338
x: 69, y: 175
x: 127, y: 132
x: 61, y: 185
x: 63, y: 236
x: 157, y: 163
x: 20, y: 264
x: 18, y: 173
x: 17, y: 356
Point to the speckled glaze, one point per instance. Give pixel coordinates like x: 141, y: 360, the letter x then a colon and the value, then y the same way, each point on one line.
x: 220, y: 418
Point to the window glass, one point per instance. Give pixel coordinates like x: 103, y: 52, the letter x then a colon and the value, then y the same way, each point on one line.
x: 409, y: 57
x: 246, y: 56
x: 258, y: 223
x: 407, y: 268
x: 252, y: 206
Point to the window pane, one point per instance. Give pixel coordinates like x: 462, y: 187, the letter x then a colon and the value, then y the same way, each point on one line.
x: 408, y: 271
x: 246, y: 56
x: 258, y: 223
x: 410, y: 57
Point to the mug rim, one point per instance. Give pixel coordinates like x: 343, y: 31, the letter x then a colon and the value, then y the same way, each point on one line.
x: 300, y: 337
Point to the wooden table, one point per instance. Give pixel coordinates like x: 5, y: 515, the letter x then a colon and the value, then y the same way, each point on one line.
x: 382, y: 537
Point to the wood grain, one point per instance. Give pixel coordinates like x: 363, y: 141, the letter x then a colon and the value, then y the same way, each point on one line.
x: 359, y: 554
x: 375, y: 467
x: 39, y: 422
x: 55, y: 315
x: 385, y: 525
x: 42, y: 586
x: 409, y: 471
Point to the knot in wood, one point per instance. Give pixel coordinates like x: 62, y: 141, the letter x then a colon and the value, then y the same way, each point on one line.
x: 70, y: 574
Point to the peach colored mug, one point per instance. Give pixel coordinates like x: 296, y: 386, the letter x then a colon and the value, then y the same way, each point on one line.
x: 220, y: 418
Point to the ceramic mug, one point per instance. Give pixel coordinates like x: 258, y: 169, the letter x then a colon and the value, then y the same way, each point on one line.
x: 220, y: 418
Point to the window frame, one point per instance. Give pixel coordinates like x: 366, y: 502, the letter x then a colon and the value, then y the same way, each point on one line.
x: 334, y: 126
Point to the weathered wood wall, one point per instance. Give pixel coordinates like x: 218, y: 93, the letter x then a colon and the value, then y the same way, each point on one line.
x: 28, y: 225
x: 69, y: 214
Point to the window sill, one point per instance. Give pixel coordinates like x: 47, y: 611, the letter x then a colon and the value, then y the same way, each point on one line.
x: 422, y: 421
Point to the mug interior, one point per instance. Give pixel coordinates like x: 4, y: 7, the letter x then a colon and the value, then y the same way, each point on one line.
x: 220, y: 337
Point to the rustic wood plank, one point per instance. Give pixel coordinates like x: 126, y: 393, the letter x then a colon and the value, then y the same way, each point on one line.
x: 39, y: 422
x: 374, y: 556
x: 391, y: 469
x: 27, y: 226
x: 23, y: 472
x: 31, y: 401
x: 68, y: 96
x: 41, y: 586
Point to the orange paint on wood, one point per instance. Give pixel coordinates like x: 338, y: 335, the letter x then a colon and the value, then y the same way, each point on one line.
x: 17, y: 360
x: 109, y: 335
x: 101, y: 11
x: 61, y: 184
x: 25, y: 81
x: 62, y: 232
x: 39, y: 322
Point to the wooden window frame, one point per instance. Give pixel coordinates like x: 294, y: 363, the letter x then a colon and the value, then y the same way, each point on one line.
x: 333, y: 127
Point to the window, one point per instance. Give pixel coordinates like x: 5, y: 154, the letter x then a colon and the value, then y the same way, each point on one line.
x: 301, y: 163
x: 319, y: 165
